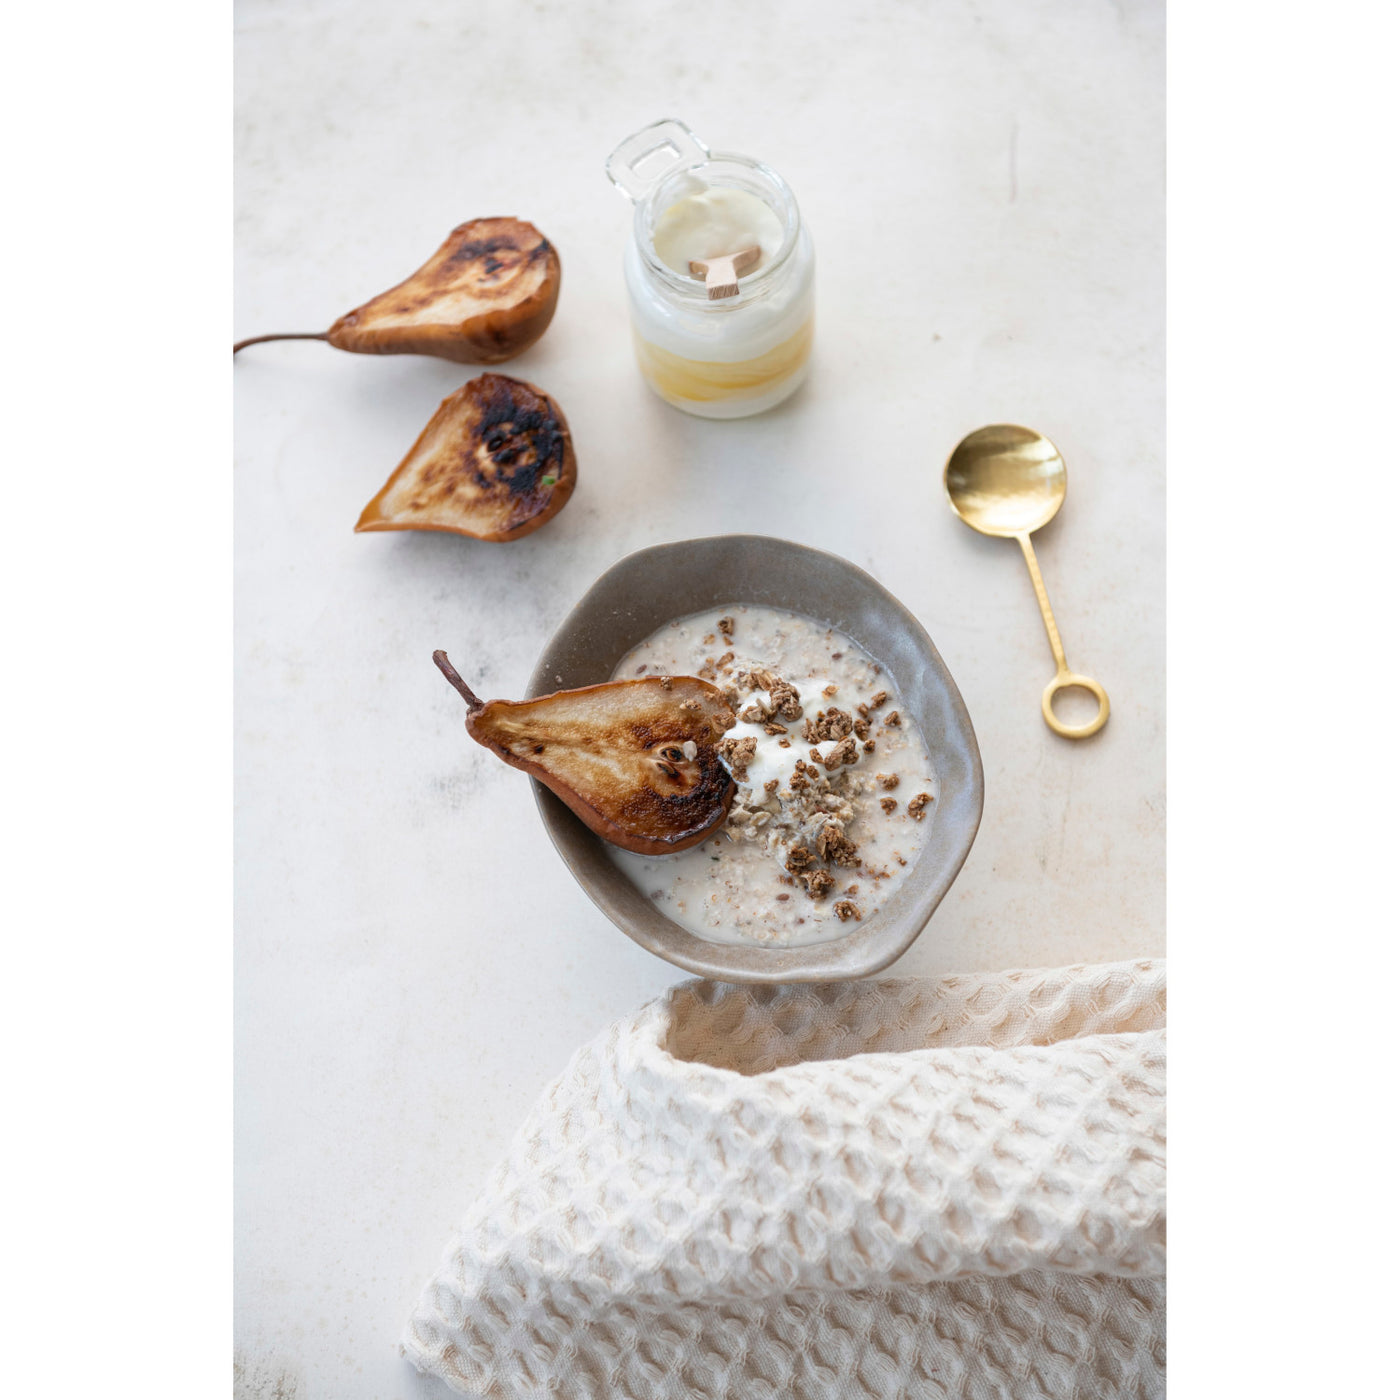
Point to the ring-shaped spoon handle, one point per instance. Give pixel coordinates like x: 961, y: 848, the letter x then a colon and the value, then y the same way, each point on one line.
x: 1063, y: 681
x: 1064, y: 677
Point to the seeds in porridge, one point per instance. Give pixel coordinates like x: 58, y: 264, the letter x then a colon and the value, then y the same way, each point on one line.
x: 917, y: 805
x: 888, y: 805
x: 783, y: 897
x: 844, y: 910
x: 888, y: 781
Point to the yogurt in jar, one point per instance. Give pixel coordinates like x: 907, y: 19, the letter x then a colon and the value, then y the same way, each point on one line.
x: 711, y: 221
x: 738, y: 355
x: 835, y: 782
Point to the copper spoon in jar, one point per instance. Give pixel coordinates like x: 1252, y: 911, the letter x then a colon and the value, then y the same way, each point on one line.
x: 1007, y: 481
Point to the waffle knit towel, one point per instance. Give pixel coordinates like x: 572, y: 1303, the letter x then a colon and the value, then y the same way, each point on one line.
x: 893, y: 1188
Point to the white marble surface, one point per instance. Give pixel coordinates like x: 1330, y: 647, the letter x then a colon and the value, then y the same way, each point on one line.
x: 985, y: 186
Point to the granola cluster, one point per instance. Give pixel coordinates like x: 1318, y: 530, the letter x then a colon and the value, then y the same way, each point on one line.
x: 738, y: 754
x: 783, y: 701
x: 828, y: 724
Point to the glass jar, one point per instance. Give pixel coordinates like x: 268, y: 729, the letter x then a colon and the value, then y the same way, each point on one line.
x: 737, y: 355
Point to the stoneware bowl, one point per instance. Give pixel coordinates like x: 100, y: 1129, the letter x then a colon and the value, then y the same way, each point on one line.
x: 646, y: 590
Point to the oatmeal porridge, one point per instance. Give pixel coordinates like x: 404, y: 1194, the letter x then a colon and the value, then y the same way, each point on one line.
x: 834, y: 781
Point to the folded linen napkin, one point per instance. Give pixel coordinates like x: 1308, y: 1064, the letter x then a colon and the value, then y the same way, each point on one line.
x: 889, y: 1188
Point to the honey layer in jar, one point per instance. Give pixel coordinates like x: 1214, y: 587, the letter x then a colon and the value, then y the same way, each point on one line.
x: 710, y: 381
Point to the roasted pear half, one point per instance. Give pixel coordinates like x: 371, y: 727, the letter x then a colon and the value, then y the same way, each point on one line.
x: 634, y: 760
x: 487, y: 294
x: 495, y: 462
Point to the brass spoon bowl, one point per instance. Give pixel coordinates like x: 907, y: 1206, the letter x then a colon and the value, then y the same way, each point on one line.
x: 1007, y: 481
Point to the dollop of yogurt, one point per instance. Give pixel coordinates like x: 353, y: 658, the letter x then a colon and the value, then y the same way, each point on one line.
x: 770, y: 759
x: 712, y: 221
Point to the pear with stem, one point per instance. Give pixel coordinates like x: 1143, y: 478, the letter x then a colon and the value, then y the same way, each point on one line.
x: 635, y: 760
x: 485, y: 296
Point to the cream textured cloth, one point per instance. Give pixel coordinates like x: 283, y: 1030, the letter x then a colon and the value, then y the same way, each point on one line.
x: 894, y: 1188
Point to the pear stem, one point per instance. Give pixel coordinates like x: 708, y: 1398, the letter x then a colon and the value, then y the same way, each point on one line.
x: 258, y: 339
x: 456, y: 682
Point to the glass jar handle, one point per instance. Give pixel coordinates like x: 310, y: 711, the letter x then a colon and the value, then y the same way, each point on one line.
x: 653, y: 153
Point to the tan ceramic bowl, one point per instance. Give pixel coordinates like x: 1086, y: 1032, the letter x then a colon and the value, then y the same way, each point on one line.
x: 646, y: 590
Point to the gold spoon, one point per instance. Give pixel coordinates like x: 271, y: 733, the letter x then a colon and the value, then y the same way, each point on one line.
x: 1007, y: 481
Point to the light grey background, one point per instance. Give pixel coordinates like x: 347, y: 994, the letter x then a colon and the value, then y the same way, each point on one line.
x: 984, y: 183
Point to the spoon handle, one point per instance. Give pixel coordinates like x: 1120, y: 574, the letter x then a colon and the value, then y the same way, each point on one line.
x: 1064, y: 678
x: 1043, y: 598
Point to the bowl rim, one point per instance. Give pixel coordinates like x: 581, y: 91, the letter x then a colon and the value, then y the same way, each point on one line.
x: 862, y: 952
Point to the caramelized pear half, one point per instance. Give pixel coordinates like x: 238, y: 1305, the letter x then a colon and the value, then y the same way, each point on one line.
x: 634, y: 760
x: 487, y: 294
x: 495, y: 462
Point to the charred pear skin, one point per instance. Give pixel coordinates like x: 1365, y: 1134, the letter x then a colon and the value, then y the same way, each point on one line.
x: 635, y: 760
x: 486, y: 295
